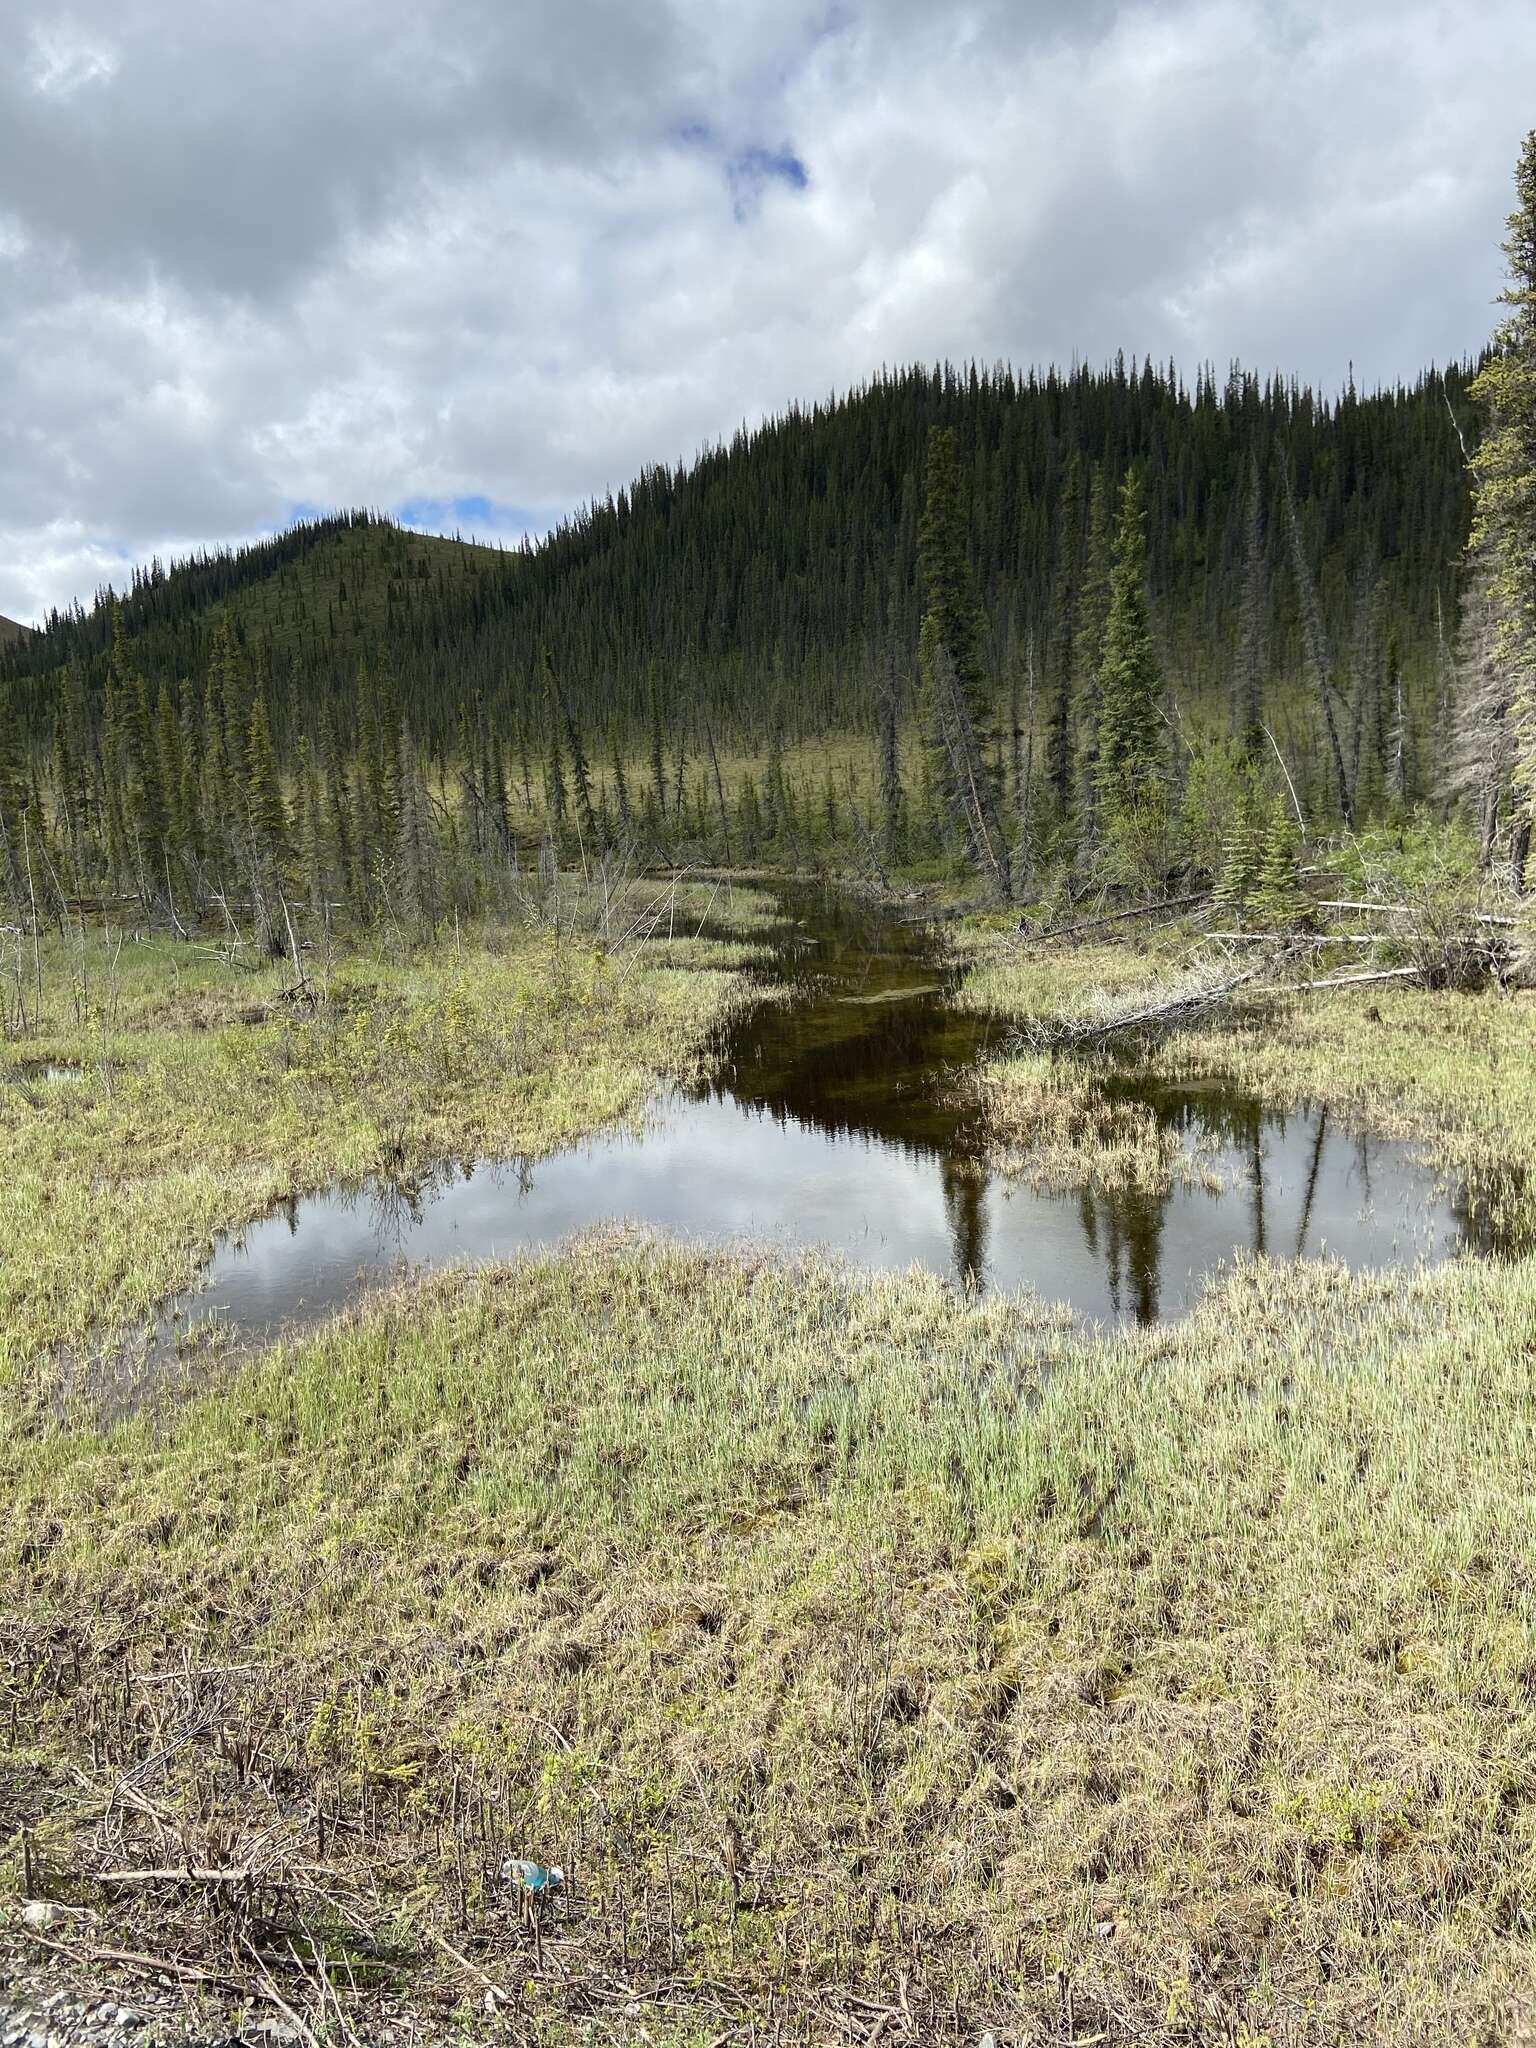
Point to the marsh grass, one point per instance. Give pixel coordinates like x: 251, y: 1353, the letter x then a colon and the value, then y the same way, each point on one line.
x: 1450, y: 1071
x: 1059, y: 1122
x: 836, y: 1630
x: 204, y: 1099
x: 841, y: 1635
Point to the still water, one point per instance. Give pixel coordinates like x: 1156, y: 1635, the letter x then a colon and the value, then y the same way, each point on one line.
x: 832, y: 1120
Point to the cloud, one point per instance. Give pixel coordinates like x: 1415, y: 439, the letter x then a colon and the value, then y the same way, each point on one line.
x: 463, y: 253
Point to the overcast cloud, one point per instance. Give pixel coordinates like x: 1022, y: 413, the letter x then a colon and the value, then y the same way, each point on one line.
x: 474, y: 261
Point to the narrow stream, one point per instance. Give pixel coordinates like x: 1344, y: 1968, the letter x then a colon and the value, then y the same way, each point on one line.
x: 831, y: 1120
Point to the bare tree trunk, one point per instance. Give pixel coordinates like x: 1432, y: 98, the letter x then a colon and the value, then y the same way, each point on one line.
x: 714, y: 762
x: 970, y: 793
x: 890, y: 760
x: 1315, y: 638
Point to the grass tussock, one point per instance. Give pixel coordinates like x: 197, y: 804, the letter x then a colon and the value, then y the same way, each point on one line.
x: 1060, y: 1123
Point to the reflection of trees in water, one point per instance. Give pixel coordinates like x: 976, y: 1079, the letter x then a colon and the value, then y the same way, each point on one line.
x: 964, y: 1182
x: 1130, y: 1223
x: 1256, y: 1183
x: 1314, y: 1173
x: 398, y: 1206
x: 1124, y: 1228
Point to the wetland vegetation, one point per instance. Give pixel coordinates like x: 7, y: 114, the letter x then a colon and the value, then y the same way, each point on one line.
x: 1035, y: 1543
x: 844, y: 1634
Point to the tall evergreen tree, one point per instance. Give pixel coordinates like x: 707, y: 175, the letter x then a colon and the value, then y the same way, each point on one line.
x: 265, y: 809
x: 1253, y: 610
x: 1505, y: 491
x: 1061, y: 728
x: 581, y: 775
x: 13, y: 800
x: 1130, y: 729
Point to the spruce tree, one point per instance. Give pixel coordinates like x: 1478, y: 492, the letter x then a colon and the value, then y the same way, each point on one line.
x: 892, y: 831
x: 13, y: 799
x: 1242, y: 854
x: 950, y: 612
x: 618, y: 778
x: 1253, y: 610
x: 266, y: 831
x: 562, y: 718
x: 1505, y: 490
x: 416, y: 853
x: 1279, y: 899
x: 556, y: 796
x: 1062, y: 717
x: 264, y: 791
x: 1090, y: 624
x: 1128, y: 771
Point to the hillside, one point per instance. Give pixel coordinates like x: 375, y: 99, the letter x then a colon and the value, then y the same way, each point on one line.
x: 10, y: 631
x: 310, y: 599
x: 761, y: 584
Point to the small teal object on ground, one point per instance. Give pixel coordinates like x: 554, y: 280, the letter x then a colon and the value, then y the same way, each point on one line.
x: 532, y: 1877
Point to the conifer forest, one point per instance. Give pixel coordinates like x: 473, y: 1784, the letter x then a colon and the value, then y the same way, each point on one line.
x: 351, y: 702
x: 767, y: 1269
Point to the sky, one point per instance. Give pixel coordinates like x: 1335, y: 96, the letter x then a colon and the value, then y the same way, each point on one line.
x: 472, y: 262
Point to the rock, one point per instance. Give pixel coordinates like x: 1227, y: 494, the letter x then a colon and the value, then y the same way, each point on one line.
x: 42, y: 1916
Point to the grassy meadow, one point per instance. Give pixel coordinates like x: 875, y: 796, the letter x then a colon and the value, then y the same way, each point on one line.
x: 876, y: 1661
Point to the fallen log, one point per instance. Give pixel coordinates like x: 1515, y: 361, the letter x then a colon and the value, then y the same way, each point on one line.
x: 1307, y: 939
x: 1071, y: 931
x: 1328, y: 981
x: 1174, y: 1007
x: 1414, y: 910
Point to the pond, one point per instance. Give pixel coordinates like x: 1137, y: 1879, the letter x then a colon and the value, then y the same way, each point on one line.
x: 832, y: 1119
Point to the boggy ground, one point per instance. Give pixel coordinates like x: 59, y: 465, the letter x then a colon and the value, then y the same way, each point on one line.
x: 166, y: 1094
x: 877, y: 1662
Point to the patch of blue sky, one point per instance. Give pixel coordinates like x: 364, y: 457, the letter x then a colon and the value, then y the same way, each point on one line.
x: 751, y: 171
x: 473, y: 514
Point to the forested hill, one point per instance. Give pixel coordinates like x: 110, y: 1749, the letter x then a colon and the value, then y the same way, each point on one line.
x: 764, y: 584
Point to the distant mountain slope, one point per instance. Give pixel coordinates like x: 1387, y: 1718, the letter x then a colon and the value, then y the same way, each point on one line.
x: 760, y: 585
x: 307, y: 597
x: 10, y: 630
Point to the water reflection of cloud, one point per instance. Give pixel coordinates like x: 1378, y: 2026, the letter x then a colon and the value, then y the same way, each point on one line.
x: 714, y: 1169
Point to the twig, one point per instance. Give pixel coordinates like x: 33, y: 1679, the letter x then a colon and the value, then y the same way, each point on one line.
x: 472, y: 1970
x: 1301, y: 823
x: 154, y: 1965
x: 270, y: 1992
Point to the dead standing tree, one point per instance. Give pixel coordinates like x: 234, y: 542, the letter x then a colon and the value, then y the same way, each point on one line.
x: 1319, y: 662
x: 967, y: 790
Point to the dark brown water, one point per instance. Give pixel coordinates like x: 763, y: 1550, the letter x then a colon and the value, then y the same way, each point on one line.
x: 832, y: 1120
